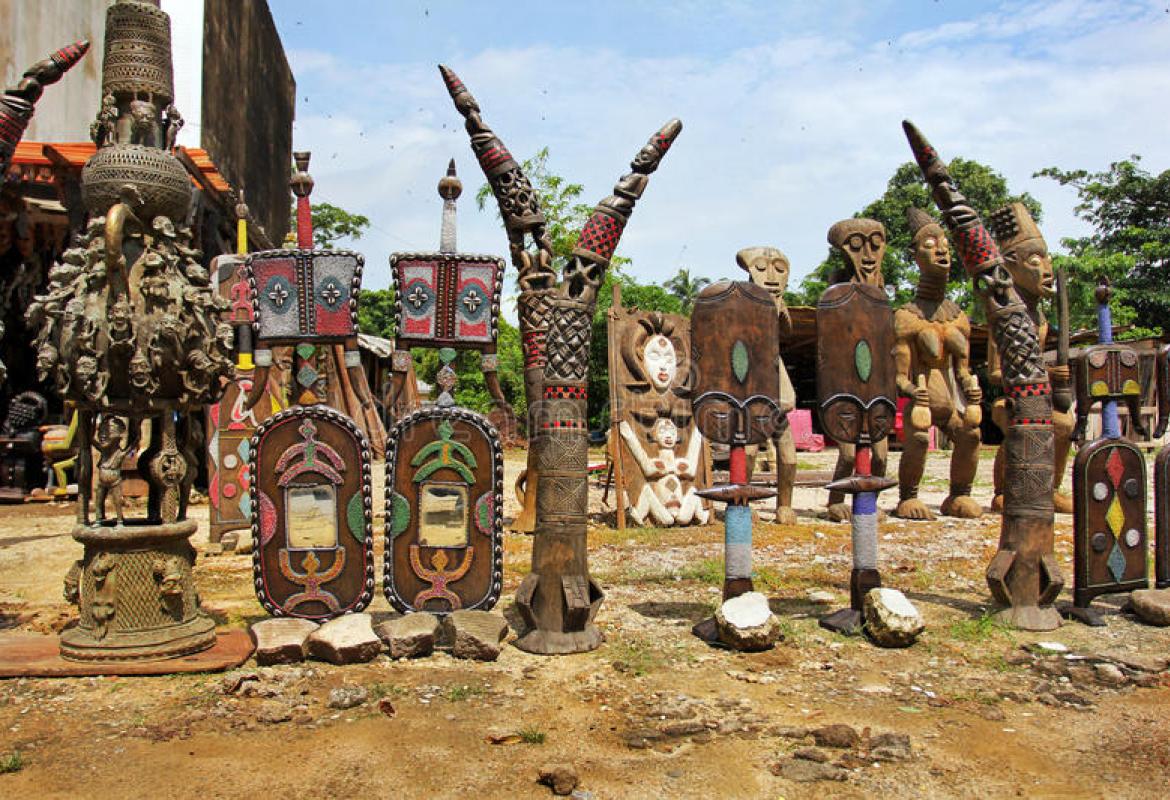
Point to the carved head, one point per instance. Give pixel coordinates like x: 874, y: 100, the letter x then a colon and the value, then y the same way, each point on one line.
x: 46, y: 361
x: 665, y: 433
x: 929, y: 245
x: 658, y: 356
x: 111, y: 430
x: 767, y: 267
x: 141, y: 374
x: 863, y: 241
x: 1023, y: 249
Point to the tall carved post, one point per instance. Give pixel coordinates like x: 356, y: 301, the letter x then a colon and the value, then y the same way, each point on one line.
x: 18, y: 102
x: 130, y: 332
x: 1162, y: 476
x: 1109, y: 475
x: 558, y: 599
x: 1023, y: 576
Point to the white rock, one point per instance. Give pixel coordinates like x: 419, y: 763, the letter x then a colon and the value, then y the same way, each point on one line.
x: 891, y: 620
x: 747, y: 623
x: 821, y: 597
x: 349, y: 639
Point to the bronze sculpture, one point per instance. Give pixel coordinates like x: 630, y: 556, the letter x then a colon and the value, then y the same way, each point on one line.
x: 1025, y: 255
x: 130, y: 333
x: 1023, y: 576
x: 735, y: 344
x: 855, y: 395
x: 1162, y: 475
x: 932, y: 352
x: 769, y: 268
x: 1109, y: 475
x: 658, y: 454
x: 558, y: 600
x: 863, y: 243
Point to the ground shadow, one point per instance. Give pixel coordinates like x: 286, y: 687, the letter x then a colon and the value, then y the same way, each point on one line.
x: 691, y: 612
x: 971, y: 608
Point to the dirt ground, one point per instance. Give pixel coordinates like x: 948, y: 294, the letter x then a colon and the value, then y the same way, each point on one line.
x: 654, y: 713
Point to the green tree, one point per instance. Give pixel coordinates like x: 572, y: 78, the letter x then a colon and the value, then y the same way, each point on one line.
x: 1129, y: 210
x: 686, y: 288
x: 985, y: 188
x: 331, y: 223
x: 376, y: 312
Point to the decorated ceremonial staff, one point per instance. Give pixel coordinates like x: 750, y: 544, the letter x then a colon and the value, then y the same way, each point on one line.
x: 1162, y: 476
x: 1023, y: 575
x: 18, y: 102
x: 558, y: 599
x: 1109, y: 474
x: 856, y: 389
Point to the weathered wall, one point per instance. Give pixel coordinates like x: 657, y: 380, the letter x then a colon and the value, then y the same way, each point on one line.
x: 32, y: 29
x: 249, y: 100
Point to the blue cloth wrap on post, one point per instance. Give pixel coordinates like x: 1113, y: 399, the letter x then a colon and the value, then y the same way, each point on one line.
x: 737, y: 531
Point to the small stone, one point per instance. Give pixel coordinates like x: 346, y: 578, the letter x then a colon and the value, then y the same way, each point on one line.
x: 410, y: 636
x: 838, y: 735
x: 890, y: 619
x: 273, y: 712
x: 811, y: 754
x: 684, y: 728
x: 349, y: 639
x: 1110, y: 675
x: 477, y: 635
x: 561, y: 778
x: 1152, y: 606
x: 746, y: 623
x: 235, y: 681
x: 803, y: 771
x: 821, y: 597
x: 347, y: 696
x: 1046, y: 648
x: 1140, y: 662
x: 890, y: 747
x: 282, y: 640
x: 581, y: 794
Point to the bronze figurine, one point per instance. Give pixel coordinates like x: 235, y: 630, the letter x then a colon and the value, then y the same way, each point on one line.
x: 558, y: 600
x: 1023, y: 576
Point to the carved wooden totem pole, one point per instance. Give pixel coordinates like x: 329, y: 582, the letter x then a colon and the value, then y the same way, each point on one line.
x: 445, y: 466
x: 735, y: 344
x: 1025, y: 255
x: 932, y: 354
x: 311, y: 494
x: 1023, y: 576
x: 1109, y: 475
x: 855, y: 393
x: 1162, y: 476
x: 230, y: 422
x: 863, y: 242
x: 558, y: 599
x: 130, y: 332
x: 769, y: 268
x: 658, y: 454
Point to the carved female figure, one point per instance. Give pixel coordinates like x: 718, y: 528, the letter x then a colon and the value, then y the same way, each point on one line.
x: 664, y: 497
x: 932, y: 355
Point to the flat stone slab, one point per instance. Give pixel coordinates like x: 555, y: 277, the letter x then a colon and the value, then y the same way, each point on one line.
x: 349, y: 639
x: 410, y: 636
x: 477, y: 635
x: 34, y: 655
x: 1152, y: 606
x: 282, y: 640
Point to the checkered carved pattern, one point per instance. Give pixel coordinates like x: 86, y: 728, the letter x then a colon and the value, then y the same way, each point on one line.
x: 601, y: 235
x: 567, y: 346
x: 976, y: 247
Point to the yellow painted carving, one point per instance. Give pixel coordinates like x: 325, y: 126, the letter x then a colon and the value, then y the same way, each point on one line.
x: 1115, y: 517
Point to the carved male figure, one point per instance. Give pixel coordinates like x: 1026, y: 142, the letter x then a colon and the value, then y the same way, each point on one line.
x: 863, y: 241
x: 768, y: 267
x: 932, y: 355
x: 1025, y: 253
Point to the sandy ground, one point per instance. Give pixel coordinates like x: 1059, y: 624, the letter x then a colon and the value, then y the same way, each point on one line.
x: 653, y: 713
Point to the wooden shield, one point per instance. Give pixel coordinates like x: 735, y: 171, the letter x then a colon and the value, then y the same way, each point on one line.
x: 312, y: 520
x: 855, y: 363
x: 447, y: 299
x: 735, y: 342
x: 304, y: 295
x: 1109, y: 519
x: 1108, y: 372
x: 444, y: 513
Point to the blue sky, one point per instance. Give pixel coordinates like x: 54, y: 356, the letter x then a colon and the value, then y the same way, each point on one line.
x: 791, y: 112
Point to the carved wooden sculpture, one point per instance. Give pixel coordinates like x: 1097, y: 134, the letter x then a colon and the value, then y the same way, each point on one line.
x: 1162, y: 475
x: 311, y: 495
x: 558, y: 599
x: 735, y: 342
x: 1025, y: 255
x: 1109, y: 475
x: 448, y: 299
x: 932, y: 354
x: 769, y: 268
x: 130, y: 332
x: 1023, y: 576
x: 863, y: 242
x: 659, y: 454
x: 855, y: 393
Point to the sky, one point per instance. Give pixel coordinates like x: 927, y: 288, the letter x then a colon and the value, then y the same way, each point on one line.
x: 791, y: 111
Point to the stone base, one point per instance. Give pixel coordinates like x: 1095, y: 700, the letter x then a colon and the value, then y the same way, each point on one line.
x: 192, y: 636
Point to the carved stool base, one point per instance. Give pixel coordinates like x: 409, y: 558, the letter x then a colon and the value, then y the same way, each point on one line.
x: 136, y: 594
